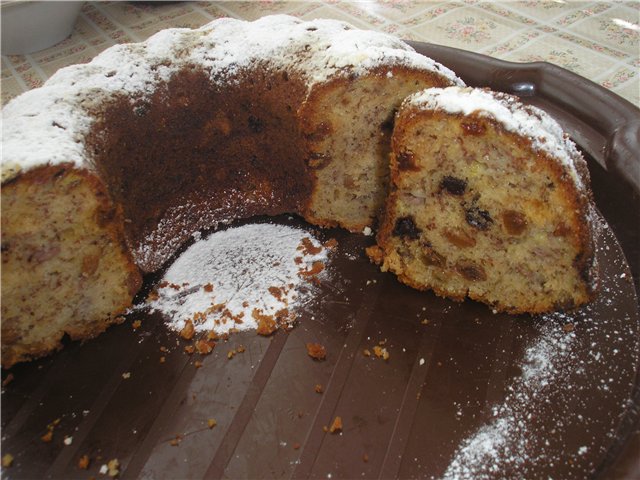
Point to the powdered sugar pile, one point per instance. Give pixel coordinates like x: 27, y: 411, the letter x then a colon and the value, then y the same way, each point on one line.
x: 231, y: 278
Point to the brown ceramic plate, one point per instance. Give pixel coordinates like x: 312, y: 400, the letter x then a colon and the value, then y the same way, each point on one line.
x: 467, y: 393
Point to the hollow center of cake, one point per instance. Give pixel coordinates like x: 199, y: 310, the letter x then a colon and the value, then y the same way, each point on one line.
x: 250, y: 277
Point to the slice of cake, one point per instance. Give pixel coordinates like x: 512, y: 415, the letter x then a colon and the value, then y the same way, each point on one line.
x: 490, y: 200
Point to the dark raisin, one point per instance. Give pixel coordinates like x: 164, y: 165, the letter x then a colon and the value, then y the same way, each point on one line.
x: 255, y: 124
x: 405, y: 160
x: 478, y: 218
x: 406, y: 227
x: 471, y: 271
x: 514, y: 222
x: 453, y: 185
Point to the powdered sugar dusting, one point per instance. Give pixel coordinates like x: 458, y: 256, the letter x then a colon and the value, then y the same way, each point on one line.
x: 48, y: 125
x: 231, y: 278
x: 543, y: 131
x: 505, y: 438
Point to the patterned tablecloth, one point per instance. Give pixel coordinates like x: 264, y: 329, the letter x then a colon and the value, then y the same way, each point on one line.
x: 598, y: 40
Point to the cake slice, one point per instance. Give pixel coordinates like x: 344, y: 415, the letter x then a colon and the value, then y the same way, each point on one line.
x: 489, y: 200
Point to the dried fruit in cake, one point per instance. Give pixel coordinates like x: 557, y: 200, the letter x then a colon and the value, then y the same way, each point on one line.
x: 495, y: 204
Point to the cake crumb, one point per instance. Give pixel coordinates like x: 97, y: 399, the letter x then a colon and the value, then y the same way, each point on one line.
x: 381, y: 352
x: 296, y: 446
x: 231, y: 354
x: 336, y: 426
x: 113, y: 467
x: 308, y: 248
x: 316, y: 351
x: 208, y: 288
x: 126, y: 375
x: 189, y: 349
x: 136, y: 324
x: 366, y: 352
x: 163, y: 359
x: 331, y: 244
x: 7, y: 380
x: 197, y: 364
x: 7, y: 460
x: 68, y: 440
x: 266, y: 323
x: 47, y: 437
x: 205, y: 347
x: 211, y: 423
x: 319, y: 388
x: 176, y: 441
x: 367, y: 231
x: 568, y: 327
x: 188, y: 331
x: 83, y: 462
x: 365, y: 457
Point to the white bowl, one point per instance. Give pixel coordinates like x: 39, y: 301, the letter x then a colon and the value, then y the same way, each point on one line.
x: 31, y: 26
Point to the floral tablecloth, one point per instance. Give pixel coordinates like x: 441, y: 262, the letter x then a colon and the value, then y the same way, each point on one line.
x: 598, y: 40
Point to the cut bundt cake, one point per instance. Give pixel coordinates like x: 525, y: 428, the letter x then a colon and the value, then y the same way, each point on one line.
x: 110, y: 166
x: 488, y: 200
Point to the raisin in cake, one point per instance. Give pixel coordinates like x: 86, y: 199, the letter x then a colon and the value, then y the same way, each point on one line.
x: 488, y: 200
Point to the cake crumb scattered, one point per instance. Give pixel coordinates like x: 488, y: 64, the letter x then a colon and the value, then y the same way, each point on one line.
x: 381, y: 352
x: 7, y: 460
x: 163, y: 359
x: 365, y: 457
x: 67, y: 440
x: 126, y: 375
x: 136, y: 324
x: 367, y: 231
x: 336, y: 426
x: 211, y: 423
x: 7, y: 380
x: 266, y: 324
x: 113, y: 467
x: 188, y: 331
x: 319, y: 388
x: 208, y: 288
x: 568, y: 327
x: 189, y: 349
x: 176, y: 441
x: 296, y: 446
x: 366, y: 352
x: 83, y: 462
x: 47, y: 437
x: 316, y: 351
x: 197, y: 364
x: 205, y: 347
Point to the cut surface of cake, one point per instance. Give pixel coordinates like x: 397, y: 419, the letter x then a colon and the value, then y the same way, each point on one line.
x: 489, y: 200
x: 180, y: 133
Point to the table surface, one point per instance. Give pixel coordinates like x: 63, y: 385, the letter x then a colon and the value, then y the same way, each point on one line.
x: 598, y: 40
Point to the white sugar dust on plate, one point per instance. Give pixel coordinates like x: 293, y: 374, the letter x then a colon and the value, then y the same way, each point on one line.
x: 248, y: 277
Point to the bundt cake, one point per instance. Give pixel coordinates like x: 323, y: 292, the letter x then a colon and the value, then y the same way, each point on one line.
x: 488, y: 200
x: 110, y: 166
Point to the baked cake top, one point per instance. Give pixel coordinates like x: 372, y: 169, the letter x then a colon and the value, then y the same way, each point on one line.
x: 544, y: 133
x: 48, y: 124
